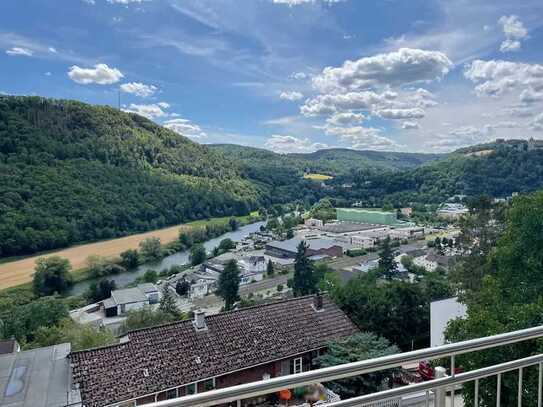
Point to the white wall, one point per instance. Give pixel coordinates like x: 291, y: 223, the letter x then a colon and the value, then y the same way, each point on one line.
x: 441, y: 312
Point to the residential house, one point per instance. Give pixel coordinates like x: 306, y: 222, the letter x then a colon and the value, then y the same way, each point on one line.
x: 227, y: 349
x: 314, y: 223
x: 128, y: 299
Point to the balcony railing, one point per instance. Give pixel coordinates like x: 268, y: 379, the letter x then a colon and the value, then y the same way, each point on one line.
x: 434, y: 391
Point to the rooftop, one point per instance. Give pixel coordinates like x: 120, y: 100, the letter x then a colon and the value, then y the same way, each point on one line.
x: 128, y: 295
x: 37, y: 378
x: 177, y: 354
x: 291, y: 245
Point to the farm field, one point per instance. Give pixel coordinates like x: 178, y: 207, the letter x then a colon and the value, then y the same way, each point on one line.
x: 317, y: 177
x: 19, y: 272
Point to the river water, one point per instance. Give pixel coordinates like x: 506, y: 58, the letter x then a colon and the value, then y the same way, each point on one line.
x: 180, y: 258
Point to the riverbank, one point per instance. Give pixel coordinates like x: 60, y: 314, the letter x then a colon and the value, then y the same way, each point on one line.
x: 20, y: 272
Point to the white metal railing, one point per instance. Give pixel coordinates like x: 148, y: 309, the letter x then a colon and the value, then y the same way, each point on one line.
x: 438, y: 386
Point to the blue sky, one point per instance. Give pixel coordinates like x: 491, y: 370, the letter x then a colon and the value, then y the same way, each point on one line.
x: 290, y: 75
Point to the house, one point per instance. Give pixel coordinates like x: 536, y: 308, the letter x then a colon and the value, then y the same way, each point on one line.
x: 38, y: 378
x: 425, y: 262
x: 407, y: 212
x: 202, y: 287
x: 289, y: 248
x: 313, y: 223
x: 128, y: 299
x: 407, y: 233
x: 222, y: 350
x: 451, y: 211
x: 364, y: 242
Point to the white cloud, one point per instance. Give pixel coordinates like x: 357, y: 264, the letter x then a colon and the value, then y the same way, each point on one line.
x: 331, y: 103
x: 537, y: 122
x: 292, y: 3
x: 514, y: 32
x: 20, y: 51
x: 186, y: 128
x: 91, y: 2
x: 138, y: 89
x: 48, y: 73
x: 150, y: 111
x: 291, y: 95
x: 298, y: 75
x: 393, y: 69
x: 407, y: 125
x: 290, y: 144
x: 163, y: 105
x: 125, y: 1
x: 362, y: 138
x: 53, y: 50
x: 101, y: 74
x: 345, y: 119
x: 415, y: 113
x: 529, y: 96
x: 496, y: 77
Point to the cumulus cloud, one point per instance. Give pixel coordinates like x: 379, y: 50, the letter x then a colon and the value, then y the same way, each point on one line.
x: 362, y: 138
x: 331, y: 103
x: 393, y: 69
x: 101, y: 74
x: 291, y: 95
x: 537, y: 122
x: 289, y: 144
x: 298, y: 75
x: 496, y: 77
x: 20, y: 51
x: 138, y: 89
x: 415, y: 113
x: 345, y: 119
x: 292, y: 3
x: 186, y: 128
x: 514, y: 32
x: 150, y: 111
x: 407, y: 125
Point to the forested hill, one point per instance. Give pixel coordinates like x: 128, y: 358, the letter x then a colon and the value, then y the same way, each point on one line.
x: 334, y: 161
x: 71, y: 172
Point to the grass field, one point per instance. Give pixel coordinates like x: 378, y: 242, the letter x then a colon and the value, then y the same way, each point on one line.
x: 318, y: 177
x: 19, y: 272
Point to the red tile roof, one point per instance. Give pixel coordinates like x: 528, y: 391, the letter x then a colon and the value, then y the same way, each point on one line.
x: 177, y: 354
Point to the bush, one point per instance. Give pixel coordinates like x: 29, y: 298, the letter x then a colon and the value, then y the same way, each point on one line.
x: 52, y: 276
x: 130, y: 259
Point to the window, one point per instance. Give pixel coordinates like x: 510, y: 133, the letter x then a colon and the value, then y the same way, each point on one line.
x: 166, y: 395
x: 191, y: 388
x: 209, y: 384
x: 296, y: 366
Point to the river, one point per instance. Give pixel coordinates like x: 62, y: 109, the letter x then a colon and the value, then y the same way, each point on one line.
x: 127, y: 277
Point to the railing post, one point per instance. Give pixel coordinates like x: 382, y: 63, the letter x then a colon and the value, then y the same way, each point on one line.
x: 440, y: 392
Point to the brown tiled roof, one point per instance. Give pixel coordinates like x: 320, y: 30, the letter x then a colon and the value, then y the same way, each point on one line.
x: 176, y: 354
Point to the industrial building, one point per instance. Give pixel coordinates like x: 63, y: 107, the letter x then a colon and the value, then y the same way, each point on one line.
x: 371, y: 216
x: 317, y: 247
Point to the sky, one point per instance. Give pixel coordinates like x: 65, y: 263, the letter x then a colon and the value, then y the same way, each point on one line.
x: 290, y: 75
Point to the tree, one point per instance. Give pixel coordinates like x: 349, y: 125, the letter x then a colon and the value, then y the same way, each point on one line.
x: 52, y: 276
x: 151, y: 249
x: 233, y: 223
x: 100, y: 291
x: 145, y: 318
x: 150, y: 276
x: 387, y: 265
x: 226, y: 244
x: 182, y: 287
x: 80, y: 336
x: 269, y: 269
x: 356, y: 348
x: 130, y: 259
x: 509, y: 297
x: 228, y: 284
x: 303, y: 282
x: 197, y: 254
x: 290, y: 234
x: 185, y: 238
x: 384, y: 308
x: 167, y: 302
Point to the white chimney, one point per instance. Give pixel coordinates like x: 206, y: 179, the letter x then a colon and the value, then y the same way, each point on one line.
x: 199, y: 320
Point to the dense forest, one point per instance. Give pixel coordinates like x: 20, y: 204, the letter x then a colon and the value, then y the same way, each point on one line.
x: 70, y: 172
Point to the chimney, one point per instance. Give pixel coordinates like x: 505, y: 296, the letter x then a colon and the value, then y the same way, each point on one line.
x: 199, y: 320
x: 317, y: 301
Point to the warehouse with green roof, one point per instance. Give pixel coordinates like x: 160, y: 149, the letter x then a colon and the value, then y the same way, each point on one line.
x: 375, y: 217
